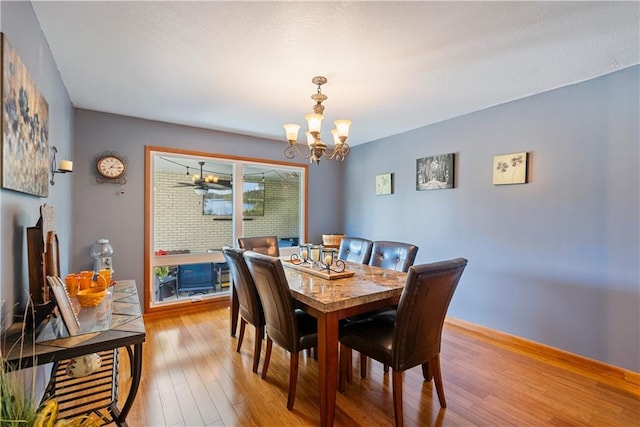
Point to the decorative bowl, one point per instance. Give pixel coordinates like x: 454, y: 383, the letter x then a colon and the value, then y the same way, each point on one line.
x: 91, y: 297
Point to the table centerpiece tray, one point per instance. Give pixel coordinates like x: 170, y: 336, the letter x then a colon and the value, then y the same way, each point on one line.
x: 329, y: 275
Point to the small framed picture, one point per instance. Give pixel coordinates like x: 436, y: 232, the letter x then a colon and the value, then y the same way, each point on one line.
x: 383, y: 184
x: 63, y: 302
x: 510, y: 168
x: 435, y: 172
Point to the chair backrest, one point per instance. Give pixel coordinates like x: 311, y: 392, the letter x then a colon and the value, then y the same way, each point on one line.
x: 393, y: 255
x: 271, y: 282
x: 421, y: 312
x: 355, y: 249
x: 267, y: 245
x: 250, y: 307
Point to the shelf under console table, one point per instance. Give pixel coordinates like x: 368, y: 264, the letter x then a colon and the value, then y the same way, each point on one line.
x: 115, y: 323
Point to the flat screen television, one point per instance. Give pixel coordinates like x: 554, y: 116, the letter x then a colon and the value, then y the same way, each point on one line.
x: 219, y: 203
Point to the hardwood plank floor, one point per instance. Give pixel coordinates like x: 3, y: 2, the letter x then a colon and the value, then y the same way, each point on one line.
x: 192, y: 376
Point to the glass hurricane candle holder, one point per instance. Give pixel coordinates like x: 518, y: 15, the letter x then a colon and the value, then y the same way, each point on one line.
x: 330, y: 261
x: 315, y: 254
x: 302, y: 257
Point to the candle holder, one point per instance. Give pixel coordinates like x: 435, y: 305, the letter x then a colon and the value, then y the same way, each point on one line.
x: 315, y: 254
x: 65, y: 166
x: 302, y: 257
x: 330, y: 261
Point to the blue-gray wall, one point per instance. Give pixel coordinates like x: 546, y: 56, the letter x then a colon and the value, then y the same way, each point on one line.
x: 101, y: 211
x: 19, y: 211
x: 555, y: 260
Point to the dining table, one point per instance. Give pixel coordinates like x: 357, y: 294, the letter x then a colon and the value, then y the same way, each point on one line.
x: 333, y: 297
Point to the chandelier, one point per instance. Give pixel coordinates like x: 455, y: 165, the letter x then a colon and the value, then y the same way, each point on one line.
x: 317, y: 149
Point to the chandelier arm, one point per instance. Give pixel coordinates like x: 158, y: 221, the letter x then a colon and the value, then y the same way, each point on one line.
x: 291, y: 151
x: 344, y: 152
x: 339, y: 153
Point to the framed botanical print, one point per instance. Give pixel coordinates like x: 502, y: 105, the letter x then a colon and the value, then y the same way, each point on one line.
x: 383, y: 184
x: 510, y: 168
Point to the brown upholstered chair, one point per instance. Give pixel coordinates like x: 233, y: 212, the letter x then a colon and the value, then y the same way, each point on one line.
x: 267, y: 245
x: 249, y: 305
x: 355, y: 249
x: 411, y: 336
x: 293, y: 330
x: 397, y: 256
x: 393, y: 255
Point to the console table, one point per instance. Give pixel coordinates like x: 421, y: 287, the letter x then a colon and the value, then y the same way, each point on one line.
x: 115, y: 323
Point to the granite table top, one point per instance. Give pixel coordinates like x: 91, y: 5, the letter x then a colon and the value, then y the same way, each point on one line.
x: 368, y: 284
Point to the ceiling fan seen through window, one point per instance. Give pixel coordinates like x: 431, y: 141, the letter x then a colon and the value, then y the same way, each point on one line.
x: 203, y: 184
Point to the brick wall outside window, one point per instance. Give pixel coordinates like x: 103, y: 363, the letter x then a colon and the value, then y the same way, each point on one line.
x: 180, y: 224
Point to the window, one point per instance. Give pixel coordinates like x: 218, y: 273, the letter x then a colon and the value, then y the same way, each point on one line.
x: 194, y: 208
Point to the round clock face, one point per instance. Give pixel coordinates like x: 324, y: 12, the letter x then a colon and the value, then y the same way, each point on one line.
x: 110, y: 167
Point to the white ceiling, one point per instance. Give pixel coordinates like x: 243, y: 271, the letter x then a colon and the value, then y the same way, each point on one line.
x: 246, y: 67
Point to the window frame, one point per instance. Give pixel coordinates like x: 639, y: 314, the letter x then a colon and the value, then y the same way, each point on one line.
x: 150, y: 306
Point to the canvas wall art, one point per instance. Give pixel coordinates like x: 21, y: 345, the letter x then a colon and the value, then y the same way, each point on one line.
x: 435, y: 172
x: 383, y: 184
x: 25, y: 128
x: 510, y: 169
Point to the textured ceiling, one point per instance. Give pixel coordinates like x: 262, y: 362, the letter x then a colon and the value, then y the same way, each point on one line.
x: 246, y: 67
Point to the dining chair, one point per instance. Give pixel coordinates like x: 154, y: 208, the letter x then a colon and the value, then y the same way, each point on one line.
x: 397, y: 256
x: 294, y: 330
x: 267, y: 245
x: 249, y: 305
x: 355, y: 249
x: 412, y: 336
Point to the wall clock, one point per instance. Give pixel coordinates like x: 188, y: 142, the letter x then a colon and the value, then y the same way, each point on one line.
x: 111, y: 167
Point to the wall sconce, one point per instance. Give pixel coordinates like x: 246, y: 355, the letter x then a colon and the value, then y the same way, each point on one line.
x: 64, y: 167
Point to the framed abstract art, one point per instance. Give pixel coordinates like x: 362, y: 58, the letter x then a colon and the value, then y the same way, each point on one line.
x: 25, y: 128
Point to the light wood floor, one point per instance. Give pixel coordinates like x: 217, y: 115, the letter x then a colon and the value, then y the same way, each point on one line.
x: 192, y: 376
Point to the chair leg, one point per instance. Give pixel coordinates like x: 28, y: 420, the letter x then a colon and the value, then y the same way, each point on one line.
x: 427, y: 371
x: 363, y: 366
x: 397, y: 398
x: 267, y: 358
x: 293, y: 380
x: 257, y: 347
x: 437, y: 377
x: 243, y: 323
